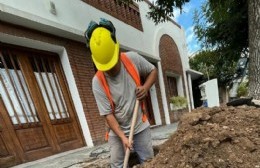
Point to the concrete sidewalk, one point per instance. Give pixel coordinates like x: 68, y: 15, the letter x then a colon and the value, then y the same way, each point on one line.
x: 81, y: 157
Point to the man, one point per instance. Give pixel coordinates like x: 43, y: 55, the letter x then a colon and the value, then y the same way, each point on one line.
x: 117, y: 101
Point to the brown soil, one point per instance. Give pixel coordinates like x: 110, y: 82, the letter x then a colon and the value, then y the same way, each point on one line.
x: 213, y: 137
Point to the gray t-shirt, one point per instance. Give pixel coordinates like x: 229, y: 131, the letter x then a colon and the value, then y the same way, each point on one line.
x: 122, y: 88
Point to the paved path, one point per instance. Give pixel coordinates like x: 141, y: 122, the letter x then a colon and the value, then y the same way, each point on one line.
x: 79, y: 157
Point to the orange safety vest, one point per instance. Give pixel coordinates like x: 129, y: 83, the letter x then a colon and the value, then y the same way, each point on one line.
x: 133, y: 73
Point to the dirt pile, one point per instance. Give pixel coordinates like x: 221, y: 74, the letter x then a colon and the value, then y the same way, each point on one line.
x: 213, y: 137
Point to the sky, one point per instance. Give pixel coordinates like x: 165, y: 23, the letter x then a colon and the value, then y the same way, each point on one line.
x: 185, y: 19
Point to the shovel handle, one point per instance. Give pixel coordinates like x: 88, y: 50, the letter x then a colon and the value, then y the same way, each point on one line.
x: 131, y: 135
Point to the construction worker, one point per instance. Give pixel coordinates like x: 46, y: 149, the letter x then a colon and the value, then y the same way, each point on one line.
x: 116, y: 91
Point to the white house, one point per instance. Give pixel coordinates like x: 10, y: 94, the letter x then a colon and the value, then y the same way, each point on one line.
x: 46, y: 104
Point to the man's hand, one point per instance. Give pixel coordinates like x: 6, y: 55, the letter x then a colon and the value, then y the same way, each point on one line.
x: 113, y: 124
x: 126, y: 144
x: 141, y: 92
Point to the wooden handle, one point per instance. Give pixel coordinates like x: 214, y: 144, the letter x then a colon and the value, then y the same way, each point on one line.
x: 131, y: 135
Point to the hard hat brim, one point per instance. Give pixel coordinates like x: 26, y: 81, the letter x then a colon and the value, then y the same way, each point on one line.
x: 111, y: 63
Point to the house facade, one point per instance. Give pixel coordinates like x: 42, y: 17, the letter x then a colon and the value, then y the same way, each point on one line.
x: 46, y: 103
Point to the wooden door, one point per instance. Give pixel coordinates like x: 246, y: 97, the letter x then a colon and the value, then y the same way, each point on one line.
x: 148, y: 106
x: 149, y: 109
x: 172, y: 86
x: 38, y: 104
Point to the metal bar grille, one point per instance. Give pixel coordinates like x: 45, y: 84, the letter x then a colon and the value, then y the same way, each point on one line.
x: 44, y: 91
x: 50, y: 87
x: 13, y: 86
x: 57, y: 85
x: 20, y: 78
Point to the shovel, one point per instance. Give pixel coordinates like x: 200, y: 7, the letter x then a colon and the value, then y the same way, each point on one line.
x: 127, y: 153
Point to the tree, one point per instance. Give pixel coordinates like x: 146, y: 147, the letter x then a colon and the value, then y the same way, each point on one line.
x: 213, y: 66
x: 162, y: 10
x: 222, y: 26
x: 254, y: 51
x: 204, y: 62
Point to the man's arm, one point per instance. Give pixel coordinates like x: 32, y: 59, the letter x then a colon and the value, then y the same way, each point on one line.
x: 113, y: 124
x: 141, y: 91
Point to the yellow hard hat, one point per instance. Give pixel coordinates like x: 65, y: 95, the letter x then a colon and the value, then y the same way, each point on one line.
x: 105, y: 52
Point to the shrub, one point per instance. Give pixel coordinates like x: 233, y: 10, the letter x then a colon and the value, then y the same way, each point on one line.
x: 178, y: 102
x: 242, y: 89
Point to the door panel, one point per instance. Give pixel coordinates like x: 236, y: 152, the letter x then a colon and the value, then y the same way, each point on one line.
x: 32, y: 138
x: 8, y: 156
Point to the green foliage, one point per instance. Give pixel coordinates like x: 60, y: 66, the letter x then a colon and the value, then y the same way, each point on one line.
x: 214, y: 65
x: 204, y: 62
x: 179, y: 102
x: 242, y: 89
x: 162, y: 10
x: 223, y: 25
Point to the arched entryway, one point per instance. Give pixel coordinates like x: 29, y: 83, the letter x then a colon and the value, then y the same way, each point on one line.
x: 172, y: 68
